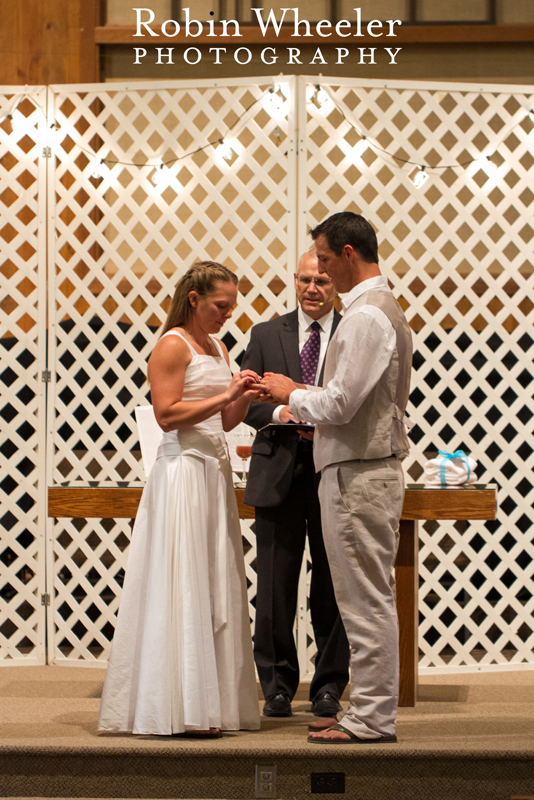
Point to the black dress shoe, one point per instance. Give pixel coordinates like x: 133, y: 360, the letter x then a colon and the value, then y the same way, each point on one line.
x: 277, y: 706
x: 326, y: 705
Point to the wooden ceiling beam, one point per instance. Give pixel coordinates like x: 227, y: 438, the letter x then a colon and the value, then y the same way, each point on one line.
x: 406, y: 34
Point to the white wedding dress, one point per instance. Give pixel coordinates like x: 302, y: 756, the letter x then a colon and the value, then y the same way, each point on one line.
x: 181, y: 657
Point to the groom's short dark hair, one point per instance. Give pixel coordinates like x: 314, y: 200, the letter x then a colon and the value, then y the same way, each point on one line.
x: 349, y: 228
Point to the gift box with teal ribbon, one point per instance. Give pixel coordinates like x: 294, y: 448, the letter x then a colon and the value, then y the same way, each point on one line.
x: 450, y: 469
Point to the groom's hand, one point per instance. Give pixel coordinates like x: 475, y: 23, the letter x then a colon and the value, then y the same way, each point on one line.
x: 278, y: 386
x: 286, y: 415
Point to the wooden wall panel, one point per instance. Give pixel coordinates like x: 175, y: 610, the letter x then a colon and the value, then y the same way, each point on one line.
x: 48, y: 41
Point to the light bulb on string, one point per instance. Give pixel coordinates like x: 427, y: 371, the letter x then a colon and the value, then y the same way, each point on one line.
x: 275, y: 98
x: 420, y: 177
x: 322, y: 97
x: 224, y: 150
x: 19, y: 123
x: 98, y: 169
x: 360, y: 147
x: 274, y: 101
x: 285, y: 90
x: 7, y: 117
x: 53, y: 136
x: 311, y: 91
x: 323, y: 101
x: 490, y: 167
x: 161, y: 176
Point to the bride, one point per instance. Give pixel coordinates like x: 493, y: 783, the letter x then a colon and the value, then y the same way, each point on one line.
x: 181, y: 660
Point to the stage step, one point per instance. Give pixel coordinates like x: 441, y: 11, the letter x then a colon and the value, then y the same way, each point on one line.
x: 469, y: 738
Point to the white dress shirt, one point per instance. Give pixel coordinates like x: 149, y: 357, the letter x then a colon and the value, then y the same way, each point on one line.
x: 366, y: 341
x: 305, y: 323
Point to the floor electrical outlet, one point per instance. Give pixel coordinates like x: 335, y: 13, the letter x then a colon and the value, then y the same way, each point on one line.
x: 265, y: 781
x: 327, y: 782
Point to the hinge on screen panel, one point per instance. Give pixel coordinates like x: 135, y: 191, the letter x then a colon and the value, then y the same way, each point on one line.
x: 45, y: 599
x: 46, y: 376
x: 47, y: 152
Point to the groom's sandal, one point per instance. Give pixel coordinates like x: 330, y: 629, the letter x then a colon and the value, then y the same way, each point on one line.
x: 353, y: 739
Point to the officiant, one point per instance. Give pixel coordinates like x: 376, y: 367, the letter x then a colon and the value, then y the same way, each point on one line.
x: 282, y: 485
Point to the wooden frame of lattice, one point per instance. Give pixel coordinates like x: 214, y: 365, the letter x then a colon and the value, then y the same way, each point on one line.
x: 23, y: 397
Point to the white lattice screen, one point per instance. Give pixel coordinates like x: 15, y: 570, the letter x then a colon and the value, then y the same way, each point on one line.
x: 120, y: 245
x: 458, y: 252
x: 23, y: 358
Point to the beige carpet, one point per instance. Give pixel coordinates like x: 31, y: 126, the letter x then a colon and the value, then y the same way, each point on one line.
x: 469, y: 737
x: 57, y: 707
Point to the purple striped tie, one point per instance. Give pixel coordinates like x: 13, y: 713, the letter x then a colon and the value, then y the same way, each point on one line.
x: 309, y: 355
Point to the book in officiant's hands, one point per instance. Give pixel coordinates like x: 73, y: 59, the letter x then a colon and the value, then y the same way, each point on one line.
x: 306, y: 426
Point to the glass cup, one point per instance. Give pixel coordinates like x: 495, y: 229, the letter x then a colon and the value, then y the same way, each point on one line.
x: 243, y: 450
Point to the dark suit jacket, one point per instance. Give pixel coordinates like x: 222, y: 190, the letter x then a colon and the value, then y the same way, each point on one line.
x: 273, y: 347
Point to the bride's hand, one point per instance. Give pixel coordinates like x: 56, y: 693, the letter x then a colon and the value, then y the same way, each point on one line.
x: 244, y: 382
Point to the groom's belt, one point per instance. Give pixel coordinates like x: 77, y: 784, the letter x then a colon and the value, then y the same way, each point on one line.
x: 365, y: 460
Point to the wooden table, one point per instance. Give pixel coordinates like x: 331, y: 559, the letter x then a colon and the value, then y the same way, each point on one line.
x: 469, y: 503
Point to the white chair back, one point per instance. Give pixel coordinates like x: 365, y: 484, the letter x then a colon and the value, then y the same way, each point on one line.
x: 149, y: 436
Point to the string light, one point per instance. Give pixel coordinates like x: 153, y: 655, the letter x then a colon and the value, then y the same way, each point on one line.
x: 273, y: 101
x: 98, y: 169
x: 276, y: 98
x: 321, y: 96
x: 322, y: 99
x: 161, y: 176
x: 19, y: 123
x: 360, y: 147
x: 420, y: 177
x: 225, y: 150
x: 55, y: 132
x: 490, y: 166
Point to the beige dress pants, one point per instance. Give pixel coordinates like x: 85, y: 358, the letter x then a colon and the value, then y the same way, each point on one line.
x: 361, y: 505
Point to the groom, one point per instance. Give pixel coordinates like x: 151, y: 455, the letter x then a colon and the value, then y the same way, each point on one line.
x: 359, y: 444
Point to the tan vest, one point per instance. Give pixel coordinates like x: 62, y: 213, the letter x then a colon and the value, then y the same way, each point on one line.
x: 376, y: 430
